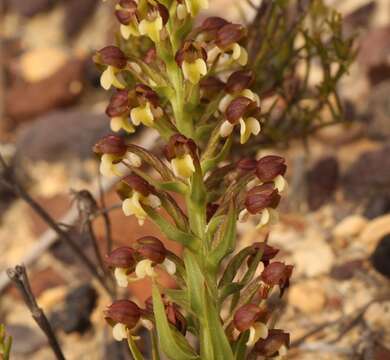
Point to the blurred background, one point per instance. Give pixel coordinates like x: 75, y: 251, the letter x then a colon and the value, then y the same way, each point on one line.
x: 335, y: 222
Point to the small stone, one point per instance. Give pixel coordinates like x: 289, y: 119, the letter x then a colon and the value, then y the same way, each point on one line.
x: 347, y: 270
x: 26, y: 101
x: 308, y: 297
x: 350, y: 226
x: 380, y: 259
x: 313, y: 258
x: 375, y: 231
x: 377, y: 206
x: 377, y: 316
x: 79, y: 305
x: 368, y: 176
x: 31, y: 63
x: 50, y: 298
x: 61, y: 135
x: 322, y: 181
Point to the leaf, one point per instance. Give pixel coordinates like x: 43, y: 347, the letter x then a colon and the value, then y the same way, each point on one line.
x: 153, y: 161
x: 226, y: 237
x: 233, y: 266
x: 173, y: 344
x: 195, y: 282
x: 210, y: 164
x: 212, y: 330
x: 175, y: 212
x: 133, y: 348
x: 169, y: 230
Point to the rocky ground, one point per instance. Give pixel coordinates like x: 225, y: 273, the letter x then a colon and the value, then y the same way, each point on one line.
x: 335, y: 223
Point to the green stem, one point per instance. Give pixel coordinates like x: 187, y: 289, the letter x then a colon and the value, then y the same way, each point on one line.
x: 133, y: 348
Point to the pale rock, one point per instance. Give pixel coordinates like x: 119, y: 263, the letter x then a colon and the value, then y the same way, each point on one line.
x: 374, y: 231
x: 35, y: 66
x: 377, y: 316
x: 308, y: 297
x: 350, y: 226
x: 312, y: 257
x: 50, y: 298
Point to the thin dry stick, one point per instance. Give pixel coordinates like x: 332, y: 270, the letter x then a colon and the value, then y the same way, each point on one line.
x: 349, y: 323
x: 9, y: 179
x: 19, y: 277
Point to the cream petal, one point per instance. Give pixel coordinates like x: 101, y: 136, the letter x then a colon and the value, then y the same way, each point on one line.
x: 243, y: 59
x: 116, y: 123
x: 169, y: 266
x: 256, y: 332
x: 280, y: 183
x: 144, y: 268
x: 151, y: 28
x: 132, y: 206
x: 236, y: 51
x: 106, y: 165
x: 106, y: 78
x: 121, y: 277
x: 183, y: 166
x: 152, y: 201
x: 194, y: 71
x: 213, y: 54
x: 125, y: 31
x: 134, y: 160
x: 224, y: 103
x: 119, y: 332
x: 142, y: 115
x: 243, y: 215
x: 226, y: 129
x: 181, y: 11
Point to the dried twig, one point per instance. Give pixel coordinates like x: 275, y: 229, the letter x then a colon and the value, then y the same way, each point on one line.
x: 19, y: 277
x: 349, y: 323
x: 9, y: 179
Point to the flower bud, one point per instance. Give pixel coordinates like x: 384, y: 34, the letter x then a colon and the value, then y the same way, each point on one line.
x: 126, y: 11
x: 122, y: 315
x: 239, y: 81
x: 181, y: 152
x: 262, y: 197
x: 119, y: 103
x: 112, y: 55
x: 151, y: 248
x: 176, y: 318
x: 138, y: 184
x: 211, y: 210
x: 247, y: 315
x: 210, y: 87
x: 229, y: 34
x: 111, y: 144
x: 145, y: 93
x: 269, y: 167
x: 277, y: 274
x: 192, y: 60
x: 239, y: 108
x: 246, y: 165
x: 157, y: 16
x: 122, y: 257
x: 211, y: 25
x: 269, y: 252
x: 276, y: 343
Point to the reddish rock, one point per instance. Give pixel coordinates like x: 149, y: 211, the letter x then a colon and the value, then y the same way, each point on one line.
x: 63, y: 88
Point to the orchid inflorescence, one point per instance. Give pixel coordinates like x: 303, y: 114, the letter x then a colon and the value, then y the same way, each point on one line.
x: 192, y: 85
